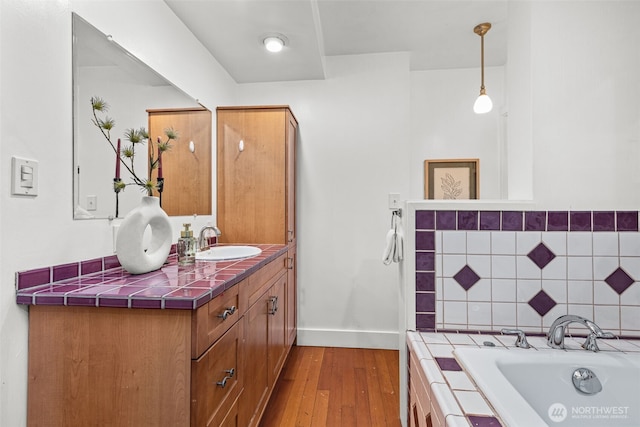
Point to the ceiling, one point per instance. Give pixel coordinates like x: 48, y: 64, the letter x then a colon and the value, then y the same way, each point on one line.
x: 437, y: 34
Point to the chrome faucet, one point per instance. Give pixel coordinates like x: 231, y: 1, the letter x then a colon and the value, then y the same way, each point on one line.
x: 557, y: 331
x: 203, y: 242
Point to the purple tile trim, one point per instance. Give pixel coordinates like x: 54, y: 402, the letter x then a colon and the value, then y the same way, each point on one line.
x: 627, y: 221
x: 83, y: 301
x: 512, y: 220
x: 535, y: 221
x: 466, y: 277
x: 91, y: 266
x: 31, y: 278
x: 426, y: 322
x: 425, y: 220
x: 541, y: 255
x: 558, y: 221
x: 445, y: 220
x: 426, y: 302
x: 111, y: 262
x: 448, y: 364
x: 489, y: 220
x: 66, y: 271
x: 604, y: 221
x: 483, y: 421
x: 542, y: 303
x: 425, y: 240
x: 467, y: 220
x: 619, y: 280
x: 580, y: 221
x: 425, y: 261
x: 425, y: 281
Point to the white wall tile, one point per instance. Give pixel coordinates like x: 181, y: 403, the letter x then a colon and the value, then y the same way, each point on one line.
x: 632, y: 266
x: 451, y: 264
x: 478, y: 242
x: 631, y: 296
x: 527, y: 317
x: 556, y: 289
x: 630, y: 318
x: 527, y: 289
x: 579, y: 268
x: 584, y: 310
x: 526, y: 269
x: 503, y: 290
x: 503, y: 243
x: 452, y: 291
x: 439, y: 313
x: 556, y: 242
x: 607, y: 317
x: 526, y: 241
x: 630, y: 244
x: 603, y: 294
x: 579, y: 243
x: 604, y: 266
x: 605, y: 244
x: 481, y: 264
x: 503, y: 314
x: 479, y: 313
x: 481, y: 291
x: 503, y: 266
x: 438, y: 241
x: 454, y: 242
x: 455, y: 312
x: 580, y: 292
x: 548, y: 319
x: 556, y: 269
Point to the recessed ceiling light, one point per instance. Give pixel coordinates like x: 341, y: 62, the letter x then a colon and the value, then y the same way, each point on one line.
x: 274, y: 43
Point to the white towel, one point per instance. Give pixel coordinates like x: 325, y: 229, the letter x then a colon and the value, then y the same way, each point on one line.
x: 394, y: 249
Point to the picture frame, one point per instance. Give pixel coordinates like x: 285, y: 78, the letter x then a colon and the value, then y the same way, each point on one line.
x: 452, y: 179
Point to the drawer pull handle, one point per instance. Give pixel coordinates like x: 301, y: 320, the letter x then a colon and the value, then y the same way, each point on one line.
x: 290, y: 263
x: 274, y: 305
x: 230, y: 375
x: 227, y: 312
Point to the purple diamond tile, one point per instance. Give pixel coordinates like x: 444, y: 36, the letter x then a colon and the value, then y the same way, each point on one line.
x: 466, y: 277
x: 448, y: 364
x: 619, y: 280
x: 489, y: 220
x: 467, y: 220
x: 425, y: 281
x: 541, y: 255
x: 445, y: 220
x: 483, y: 421
x: 425, y: 240
x: 627, y: 221
x: 542, y: 303
x: 535, y: 221
x: 61, y: 272
x: 425, y: 220
x: 425, y: 302
x: 580, y: 221
x: 31, y: 278
x: 91, y: 266
x: 426, y: 322
x: 512, y: 220
x: 425, y: 261
x: 604, y: 221
x: 558, y: 221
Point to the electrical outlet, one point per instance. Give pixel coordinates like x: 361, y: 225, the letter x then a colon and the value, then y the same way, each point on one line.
x: 92, y: 203
x: 394, y: 201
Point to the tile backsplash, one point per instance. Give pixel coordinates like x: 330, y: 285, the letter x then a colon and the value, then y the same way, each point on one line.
x: 483, y: 270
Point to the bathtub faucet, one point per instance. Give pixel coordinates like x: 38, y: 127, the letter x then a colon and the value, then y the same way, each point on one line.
x: 555, y: 337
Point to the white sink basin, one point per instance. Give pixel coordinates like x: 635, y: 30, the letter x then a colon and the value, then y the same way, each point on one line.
x: 221, y: 253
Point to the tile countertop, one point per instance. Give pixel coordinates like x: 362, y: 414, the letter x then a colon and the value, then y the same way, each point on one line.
x: 170, y: 287
x: 456, y: 401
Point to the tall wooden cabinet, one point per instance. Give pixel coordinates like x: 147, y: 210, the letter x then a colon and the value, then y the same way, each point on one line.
x: 256, y: 152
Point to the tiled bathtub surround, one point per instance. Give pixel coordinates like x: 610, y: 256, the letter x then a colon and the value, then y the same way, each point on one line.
x: 483, y: 270
x: 103, y: 283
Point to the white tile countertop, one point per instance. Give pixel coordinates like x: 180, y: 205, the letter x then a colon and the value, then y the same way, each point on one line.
x: 456, y: 400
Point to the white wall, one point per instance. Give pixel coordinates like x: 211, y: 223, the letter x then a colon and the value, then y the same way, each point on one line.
x: 35, y: 122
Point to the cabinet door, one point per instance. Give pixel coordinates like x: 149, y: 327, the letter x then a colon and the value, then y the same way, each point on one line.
x: 277, y: 330
x: 251, y: 175
x: 217, y: 378
x: 292, y: 129
x: 254, y: 396
x: 291, y: 306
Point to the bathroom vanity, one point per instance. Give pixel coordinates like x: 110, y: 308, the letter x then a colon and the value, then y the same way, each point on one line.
x: 201, y: 345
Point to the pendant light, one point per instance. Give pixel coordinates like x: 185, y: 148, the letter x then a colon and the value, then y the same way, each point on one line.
x: 483, y: 104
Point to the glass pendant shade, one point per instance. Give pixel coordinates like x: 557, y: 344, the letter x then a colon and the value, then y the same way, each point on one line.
x: 483, y: 104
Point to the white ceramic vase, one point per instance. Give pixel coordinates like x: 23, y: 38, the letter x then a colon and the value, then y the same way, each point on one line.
x: 130, y: 248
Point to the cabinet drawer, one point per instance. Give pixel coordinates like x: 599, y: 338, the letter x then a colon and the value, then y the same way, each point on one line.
x: 261, y: 280
x: 214, y: 319
x: 216, y: 378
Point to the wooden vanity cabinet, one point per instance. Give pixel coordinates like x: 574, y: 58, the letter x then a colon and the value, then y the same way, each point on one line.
x: 419, y: 395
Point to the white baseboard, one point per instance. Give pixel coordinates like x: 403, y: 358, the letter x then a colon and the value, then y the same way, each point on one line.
x: 348, y: 338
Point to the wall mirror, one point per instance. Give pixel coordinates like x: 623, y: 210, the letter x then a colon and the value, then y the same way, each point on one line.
x: 133, y: 91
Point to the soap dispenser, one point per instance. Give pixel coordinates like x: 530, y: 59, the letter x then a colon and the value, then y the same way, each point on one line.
x: 186, y: 246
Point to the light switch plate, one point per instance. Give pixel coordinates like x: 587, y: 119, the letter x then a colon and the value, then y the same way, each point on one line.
x: 24, y: 177
x: 394, y: 201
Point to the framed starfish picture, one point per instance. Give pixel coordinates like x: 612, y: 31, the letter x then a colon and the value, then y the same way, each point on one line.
x: 452, y: 179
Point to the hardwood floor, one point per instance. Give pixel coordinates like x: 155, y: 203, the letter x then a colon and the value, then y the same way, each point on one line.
x: 336, y: 387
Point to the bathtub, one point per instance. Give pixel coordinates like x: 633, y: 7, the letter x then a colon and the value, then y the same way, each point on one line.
x: 535, y: 388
